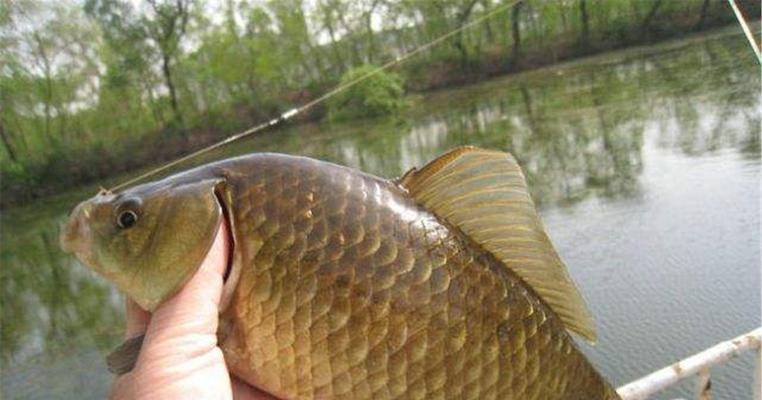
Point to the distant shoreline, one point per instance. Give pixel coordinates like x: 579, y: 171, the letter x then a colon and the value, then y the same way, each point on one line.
x: 156, y: 149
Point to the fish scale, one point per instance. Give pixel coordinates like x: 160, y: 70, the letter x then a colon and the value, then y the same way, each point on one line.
x: 441, y: 284
x: 450, y: 324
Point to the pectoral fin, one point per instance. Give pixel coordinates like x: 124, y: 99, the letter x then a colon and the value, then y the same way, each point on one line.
x: 122, y: 360
x: 485, y: 195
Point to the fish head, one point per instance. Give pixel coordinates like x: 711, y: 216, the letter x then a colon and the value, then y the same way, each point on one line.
x: 148, y: 240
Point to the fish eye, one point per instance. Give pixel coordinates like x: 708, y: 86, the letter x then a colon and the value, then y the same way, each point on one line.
x: 126, y: 219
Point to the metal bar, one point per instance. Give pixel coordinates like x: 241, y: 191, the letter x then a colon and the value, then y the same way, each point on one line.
x: 746, y: 30
x: 757, y: 389
x: 704, y: 385
x: 655, y: 382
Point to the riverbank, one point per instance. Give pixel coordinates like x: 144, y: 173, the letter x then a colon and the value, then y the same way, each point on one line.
x: 645, y: 164
x: 77, y: 164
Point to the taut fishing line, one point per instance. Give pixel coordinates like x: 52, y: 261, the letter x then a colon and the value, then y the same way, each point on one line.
x: 746, y: 30
x: 338, y: 89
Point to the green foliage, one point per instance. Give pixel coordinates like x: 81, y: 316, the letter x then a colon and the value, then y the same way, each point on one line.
x: 380, y: 94
x: 88, y: 88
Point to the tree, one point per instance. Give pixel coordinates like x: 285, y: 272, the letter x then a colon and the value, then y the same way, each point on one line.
x: 585, y: 22
x: 48, y: 74
x: 329, y: 21
x: 649, y: 17
x: 7, y: 143
x: 516, y: 32
x: 297, y: 49
x: 380, y: 93
x: 166, y: 27
x: 149, y: 35
x: 462, y: 15
x: 128, y: 56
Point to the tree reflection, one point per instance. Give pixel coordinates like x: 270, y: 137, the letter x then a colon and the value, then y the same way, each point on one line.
x: 51, y: 304
x: 579, y: 131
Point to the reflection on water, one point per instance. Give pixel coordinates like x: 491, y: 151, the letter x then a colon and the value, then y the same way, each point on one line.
x: 53, y: 311
x: 601, y: 141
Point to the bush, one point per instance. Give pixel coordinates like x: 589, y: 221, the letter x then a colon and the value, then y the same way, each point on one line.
x: 380, y: 94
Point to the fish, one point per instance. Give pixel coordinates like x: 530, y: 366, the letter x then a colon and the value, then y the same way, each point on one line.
x: 441, y: 283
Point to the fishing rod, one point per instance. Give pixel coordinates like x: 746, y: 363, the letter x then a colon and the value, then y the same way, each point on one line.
x: 301, y: 109
x: 746, y: 30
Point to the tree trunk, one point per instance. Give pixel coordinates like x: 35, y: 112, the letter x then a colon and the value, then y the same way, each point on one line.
x: 7, y: 143
x: 528, y: 109
x: 165, y: 61
x: 585, y: 23
x: 317, y: 56
x: 516, y: 33
x: 47, y: 119
x: 370, y: 37
x: 462, y: 18
x: 334, y: 46
x: 48, y: 85
x: 400, y: 40
x: 702, y: 15
x: 156, y: 111
x: 489, y: 31
x: 463, y: 52
x: 352, y: 39
x: 650, y: 16
x: 62, y: 121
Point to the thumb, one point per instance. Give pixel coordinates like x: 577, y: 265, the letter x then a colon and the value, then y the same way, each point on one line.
x: 179, y: 357
x: 186, y: 324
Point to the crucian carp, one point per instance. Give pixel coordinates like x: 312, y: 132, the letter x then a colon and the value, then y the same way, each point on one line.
x: 441, y: 284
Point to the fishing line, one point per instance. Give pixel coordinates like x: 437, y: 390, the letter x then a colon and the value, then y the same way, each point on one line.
x: 336, y: 90
x: 746, y: 30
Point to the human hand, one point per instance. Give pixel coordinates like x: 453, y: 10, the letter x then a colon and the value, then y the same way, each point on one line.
x: 179, y: 358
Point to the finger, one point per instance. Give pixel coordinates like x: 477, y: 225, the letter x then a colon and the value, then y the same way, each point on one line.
x: 244, y: 391
x: 120, y: 387
x: 194, y: 309
x: 137, y: 319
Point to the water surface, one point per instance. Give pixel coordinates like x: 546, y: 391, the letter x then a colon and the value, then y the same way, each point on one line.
x: 645, y: 163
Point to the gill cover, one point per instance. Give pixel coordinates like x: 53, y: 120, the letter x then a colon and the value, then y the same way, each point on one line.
x: 154, y: 255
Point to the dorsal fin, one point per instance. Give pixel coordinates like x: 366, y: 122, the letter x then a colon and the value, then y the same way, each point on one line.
x: 484, y: 194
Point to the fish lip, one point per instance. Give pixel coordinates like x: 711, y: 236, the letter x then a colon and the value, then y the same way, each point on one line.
x: 66, y: 235
x: 74, y: 234
x: 65, y: 240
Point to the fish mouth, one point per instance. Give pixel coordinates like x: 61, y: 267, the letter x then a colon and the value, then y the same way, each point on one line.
x: 75, y: 233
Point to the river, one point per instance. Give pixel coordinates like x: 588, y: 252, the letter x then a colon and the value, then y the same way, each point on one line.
x: 645, y: 164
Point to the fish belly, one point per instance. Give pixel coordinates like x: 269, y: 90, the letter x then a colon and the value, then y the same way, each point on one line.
x: 349, y: 290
